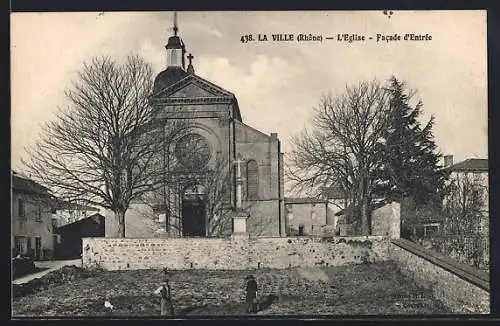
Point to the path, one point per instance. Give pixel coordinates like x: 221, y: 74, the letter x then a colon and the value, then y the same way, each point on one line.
x: 50, y: 265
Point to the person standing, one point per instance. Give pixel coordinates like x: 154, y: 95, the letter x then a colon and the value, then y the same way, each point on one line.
x: 166, y: 306
x: 251, y: 294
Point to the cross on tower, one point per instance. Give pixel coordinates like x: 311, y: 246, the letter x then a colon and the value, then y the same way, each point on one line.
x: 190, y: 57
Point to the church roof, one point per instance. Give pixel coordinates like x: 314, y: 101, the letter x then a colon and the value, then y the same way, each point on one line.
x: 253, y: 129
x: 168, y: 77
x: 175, y: 78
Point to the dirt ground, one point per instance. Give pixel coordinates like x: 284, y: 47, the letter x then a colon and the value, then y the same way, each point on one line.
x: 367, y: 289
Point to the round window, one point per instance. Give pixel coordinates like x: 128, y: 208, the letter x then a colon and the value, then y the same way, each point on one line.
x: 193, y: 151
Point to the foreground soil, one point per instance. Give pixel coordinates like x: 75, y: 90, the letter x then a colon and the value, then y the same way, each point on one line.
x: 367, y: 289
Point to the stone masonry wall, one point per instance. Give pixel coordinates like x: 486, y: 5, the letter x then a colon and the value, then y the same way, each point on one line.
x: 458, y: 294
x: 386, y: 220
x: 231, y: 253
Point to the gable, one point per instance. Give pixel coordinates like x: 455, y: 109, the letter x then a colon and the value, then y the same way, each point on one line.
x: 195, y: 90
x: 247, y: 134
x: 194, y: 87
x: 192, y: 90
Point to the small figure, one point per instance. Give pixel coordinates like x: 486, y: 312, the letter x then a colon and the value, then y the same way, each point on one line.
x: 167, y: 308
x: 251, y: 294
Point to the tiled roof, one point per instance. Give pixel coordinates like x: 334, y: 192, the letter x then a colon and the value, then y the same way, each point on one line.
x: 95, y: 217
x: 65, y: 205
x: 25, y: 185
x: 471, y: 164
x: 304, y: 200
x: 333, y: 193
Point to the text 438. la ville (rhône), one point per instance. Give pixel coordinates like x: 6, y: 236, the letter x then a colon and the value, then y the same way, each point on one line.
x: 341, y: 37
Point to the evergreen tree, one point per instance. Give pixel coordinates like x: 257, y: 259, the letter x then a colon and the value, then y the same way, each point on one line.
x: 411, y: 161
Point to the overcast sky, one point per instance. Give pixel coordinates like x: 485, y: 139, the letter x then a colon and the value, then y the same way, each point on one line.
x: 277, y: 83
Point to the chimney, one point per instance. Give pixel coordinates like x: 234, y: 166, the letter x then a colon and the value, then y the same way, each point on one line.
x: 448, y: 161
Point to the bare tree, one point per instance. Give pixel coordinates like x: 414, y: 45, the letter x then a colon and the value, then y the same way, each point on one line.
x: 210, y: 183
x: 219, y: 208
x: 344, y: 147
x: 102, y: 149
x: 465, y: 212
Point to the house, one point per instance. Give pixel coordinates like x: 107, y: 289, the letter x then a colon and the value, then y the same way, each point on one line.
x: 31, y: 224
x: 472, y: 171
x: 307, y: 216
x: 64, y: 212
x: 336, y: 198
x: 70, y: 245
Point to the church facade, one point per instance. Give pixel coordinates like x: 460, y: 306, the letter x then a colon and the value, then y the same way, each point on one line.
x: 199, y: 195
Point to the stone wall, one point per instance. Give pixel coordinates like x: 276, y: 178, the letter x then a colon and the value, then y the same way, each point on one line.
x: 139, y: 223
x: 312, y: 215
x: 461, y: 288
x: 386, y: 220
x: 264, y: 218
x: 231, y: 253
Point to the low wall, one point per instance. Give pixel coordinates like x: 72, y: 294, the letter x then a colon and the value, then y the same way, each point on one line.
x: 462, y: 288
x: 231, y: 253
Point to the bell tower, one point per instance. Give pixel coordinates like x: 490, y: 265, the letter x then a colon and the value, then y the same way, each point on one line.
x: 175, y: 49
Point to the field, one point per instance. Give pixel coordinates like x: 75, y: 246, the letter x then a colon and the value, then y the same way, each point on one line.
x: 367, y: 289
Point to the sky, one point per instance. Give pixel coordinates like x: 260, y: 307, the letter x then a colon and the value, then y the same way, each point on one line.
x: 277, y: 83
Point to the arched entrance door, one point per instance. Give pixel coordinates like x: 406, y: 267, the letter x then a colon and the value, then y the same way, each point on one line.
x: 194, y: 211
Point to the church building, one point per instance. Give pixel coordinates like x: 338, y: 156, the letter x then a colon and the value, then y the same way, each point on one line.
x: 203, y: 162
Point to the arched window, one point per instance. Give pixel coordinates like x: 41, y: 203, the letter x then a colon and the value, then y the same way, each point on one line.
x: 252, y: 180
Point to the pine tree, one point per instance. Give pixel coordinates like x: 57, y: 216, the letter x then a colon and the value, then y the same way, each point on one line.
x: 411, y: 162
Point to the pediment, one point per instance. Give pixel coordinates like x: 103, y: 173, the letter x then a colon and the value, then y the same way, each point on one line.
x: 192, y: 90
x: 194, y: 87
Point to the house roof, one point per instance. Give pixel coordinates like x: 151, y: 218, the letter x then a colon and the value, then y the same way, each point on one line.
x: 28, y: 186
x: 65, y: 205
x: 376, y: 203
x: 471, y: 165
x: 333, y: 192
x: 92, y: 217
x: 304, y: 200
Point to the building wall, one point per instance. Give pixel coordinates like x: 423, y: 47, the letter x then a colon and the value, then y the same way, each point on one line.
x: 336, y: 205
x: 312, y: 215
x: 386, y: 220
x: 264, y: 218
x: 480, y: 177
x: 228, y: 137
x: 266, y: 213
x: 231, y: 253
x: 70, y: 246
x: 264, y: 149
x: 139, y: 223
x: 30, y: 226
